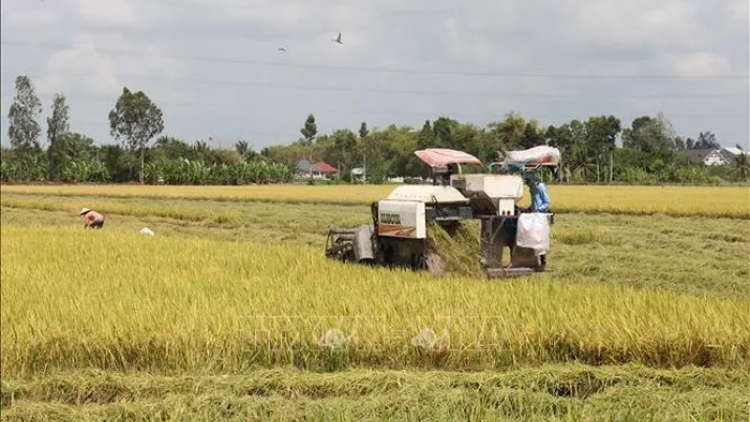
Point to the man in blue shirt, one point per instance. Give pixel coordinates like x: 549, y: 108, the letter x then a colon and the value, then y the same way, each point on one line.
x: 540, y: 202
x: 539, y: 197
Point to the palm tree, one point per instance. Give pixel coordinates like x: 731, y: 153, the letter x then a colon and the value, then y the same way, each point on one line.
x: 242, y: 149
x: 742, y: 166
x: 201, y: 150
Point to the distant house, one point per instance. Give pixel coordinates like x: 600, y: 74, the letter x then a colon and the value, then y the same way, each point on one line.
x: 709, y: 157
x: 358, y: 173
x: 733, y: 153
x: 306, y: 169
x: 326, y: 169
x: 320, y: 169
x: 712, y: 157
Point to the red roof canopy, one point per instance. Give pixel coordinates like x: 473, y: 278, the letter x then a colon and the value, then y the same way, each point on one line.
x: 441, y: 157
x: 325, y: 167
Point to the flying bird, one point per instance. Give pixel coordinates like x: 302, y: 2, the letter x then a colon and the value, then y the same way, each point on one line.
x: 282, y: 49
x: 338, y: 39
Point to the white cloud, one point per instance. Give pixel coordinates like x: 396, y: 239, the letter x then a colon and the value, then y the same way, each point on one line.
x: 267, y: 12
x: 117, y: 12
x: 138, y: 43
x: 740, y: 10
x: 66, y: 65
x: 702, y: 64
x: 15, y: 15
x: 667, y: 23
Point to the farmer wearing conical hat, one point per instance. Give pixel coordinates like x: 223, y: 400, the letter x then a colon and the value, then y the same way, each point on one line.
x: 92, y: 219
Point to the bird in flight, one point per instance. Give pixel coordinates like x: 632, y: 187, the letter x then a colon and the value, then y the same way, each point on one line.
x: 282, y: 49
x: 338, y: 39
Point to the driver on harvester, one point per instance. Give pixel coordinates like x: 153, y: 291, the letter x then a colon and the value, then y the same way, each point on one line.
x: 540, y: 201
x: 539, y: 196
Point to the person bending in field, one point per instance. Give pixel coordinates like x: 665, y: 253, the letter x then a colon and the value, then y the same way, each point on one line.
x: 92, y: 219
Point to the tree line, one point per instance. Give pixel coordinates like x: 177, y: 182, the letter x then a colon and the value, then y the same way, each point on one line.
x: 134, y: 121
x: 650, y: 151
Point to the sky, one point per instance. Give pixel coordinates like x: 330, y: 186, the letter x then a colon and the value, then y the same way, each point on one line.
x: 214, y: 68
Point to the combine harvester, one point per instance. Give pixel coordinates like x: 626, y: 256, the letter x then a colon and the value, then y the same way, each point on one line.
x: 398, y: 233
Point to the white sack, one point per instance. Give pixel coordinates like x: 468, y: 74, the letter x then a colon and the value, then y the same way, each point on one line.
x: 540, y: 154
x: 533, y: 231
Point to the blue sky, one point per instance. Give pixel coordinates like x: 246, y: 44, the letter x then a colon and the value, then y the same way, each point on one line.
x: 214, y: 68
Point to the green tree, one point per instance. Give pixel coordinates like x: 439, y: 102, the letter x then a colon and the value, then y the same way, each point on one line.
x: 345, y: 146
x: 707, y: 140
x: 601, y: 134
x: 243, y: 150
x: 117, y: 162
x: 202, y: 152
x: 170, y: 148
x: 570, y: 138
x: 57, y: 128
x: 742, y: 165
x: 78, y: 147
x: 581, y: 163
x: 23, y: 127
x: 363, y: 131
x: 469, y: 138
x: 680, y: 143
x: 506, y: 135
x: 135, y: 119
x: 443, y: 129
x: 649, y: 134
x: 310, y: 129
x: 531, y: 137
x: 426, y: 136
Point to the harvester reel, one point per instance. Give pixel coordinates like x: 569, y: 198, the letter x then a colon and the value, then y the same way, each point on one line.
x: 339, y: 243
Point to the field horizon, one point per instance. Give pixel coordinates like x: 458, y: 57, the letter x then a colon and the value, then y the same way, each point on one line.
x: 728, y: 202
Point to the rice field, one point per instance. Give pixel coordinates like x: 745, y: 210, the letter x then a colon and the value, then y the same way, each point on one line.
x: 731, y: 202
x: 232, y: 312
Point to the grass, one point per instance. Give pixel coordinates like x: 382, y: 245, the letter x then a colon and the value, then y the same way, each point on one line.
x: 560, y: 393
x: 698, y: 255
x: 731, y: 202
x: 163, y: 305
x: 143, y: 208
x: 224, y: 314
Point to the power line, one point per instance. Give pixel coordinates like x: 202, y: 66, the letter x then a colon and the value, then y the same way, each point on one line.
x: 426, y: 92
x: 21, y: 43
x: 371, y: 112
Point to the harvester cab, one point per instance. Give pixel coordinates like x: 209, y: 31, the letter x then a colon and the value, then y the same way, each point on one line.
x: 400, y: 222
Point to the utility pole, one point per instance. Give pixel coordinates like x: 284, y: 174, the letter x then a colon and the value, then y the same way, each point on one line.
x: 364, y: 173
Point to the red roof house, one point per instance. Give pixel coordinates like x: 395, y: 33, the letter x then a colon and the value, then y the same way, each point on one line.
x: 326, y: 168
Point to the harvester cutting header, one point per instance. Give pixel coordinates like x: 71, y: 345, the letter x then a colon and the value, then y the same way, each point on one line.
x: 398, y: 233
